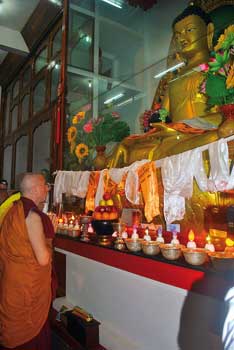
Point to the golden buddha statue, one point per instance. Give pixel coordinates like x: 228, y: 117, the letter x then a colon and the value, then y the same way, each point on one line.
x: 193, y: 34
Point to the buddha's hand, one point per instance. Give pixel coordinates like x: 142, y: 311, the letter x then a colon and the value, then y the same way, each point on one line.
x: 214, y: 118
x: 226, y: 128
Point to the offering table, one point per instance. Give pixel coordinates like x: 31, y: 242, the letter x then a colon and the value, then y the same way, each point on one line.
x: 145, y: 302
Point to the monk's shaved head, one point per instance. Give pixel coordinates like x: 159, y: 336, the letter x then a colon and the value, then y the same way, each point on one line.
x: 33, y: 186
x: 28, y: 181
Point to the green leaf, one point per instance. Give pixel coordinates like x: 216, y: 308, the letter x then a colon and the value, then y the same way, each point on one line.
x: 217, y: 91
x: 219, y: 58
x: 120, y: 131
x: 215, y: 64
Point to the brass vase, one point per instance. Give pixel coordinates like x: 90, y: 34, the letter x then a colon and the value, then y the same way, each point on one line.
x: 100, y: 161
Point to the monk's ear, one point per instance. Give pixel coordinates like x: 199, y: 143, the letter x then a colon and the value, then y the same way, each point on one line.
x: 210, y: 35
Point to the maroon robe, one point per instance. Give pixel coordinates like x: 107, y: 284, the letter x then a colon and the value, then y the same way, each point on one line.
x: 43, y: 340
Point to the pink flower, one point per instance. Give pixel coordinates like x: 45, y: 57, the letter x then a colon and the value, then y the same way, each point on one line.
x: 88, y: 127
x: 212, y: 59
x: 115, y: 115
x: 204, y: 67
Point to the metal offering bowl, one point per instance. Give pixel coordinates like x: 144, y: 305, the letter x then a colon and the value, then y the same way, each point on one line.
x: 134, y: 245
x: 197, y: 256
x: 171, y: 251
x: 150, y: 247
x: 222, y: 261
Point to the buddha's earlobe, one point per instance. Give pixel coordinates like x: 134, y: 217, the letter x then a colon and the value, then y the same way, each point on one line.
x: 210, y: 34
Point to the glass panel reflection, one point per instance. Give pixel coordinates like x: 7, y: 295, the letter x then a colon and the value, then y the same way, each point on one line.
x: 79, y: 96
x: 57, y: 42
x: 7, y: 163
x: 21, y: 155
x: 112, y: 57
x: 39, y: 96
x: 41, y: 60
x: 7, y: 113
x: 14, y: 118
x: 26, y: 77
x: 55, y: 75
x: 16, y: 89
x: 41, y: 150
x: 25, y: 108
x: 80, y: 41
x: 128, y: 16
x: 86, y: 4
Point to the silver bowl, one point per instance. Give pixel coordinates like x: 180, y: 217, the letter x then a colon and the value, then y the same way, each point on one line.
x: 222, y: 261
x: 150, y: 247
x: 197, y: 256
x: 171, y: 251
x: 134, y: 245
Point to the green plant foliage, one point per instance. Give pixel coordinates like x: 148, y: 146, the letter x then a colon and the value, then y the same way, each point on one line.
x: 217, y: 92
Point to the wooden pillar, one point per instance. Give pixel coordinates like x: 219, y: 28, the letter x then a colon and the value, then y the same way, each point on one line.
x: 61, y: 112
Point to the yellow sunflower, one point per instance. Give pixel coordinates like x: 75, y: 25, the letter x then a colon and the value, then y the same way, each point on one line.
x: 81, y: 151
x: 75, y: 120
x: 71, y: 138
x: 71, y: 134
x: 78, y: 117
x: 228, y: 34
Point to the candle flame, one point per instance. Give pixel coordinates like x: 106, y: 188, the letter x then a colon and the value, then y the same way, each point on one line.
x: 191, y: 235
x: 229, y: 242
x: 208, y: 239
x: 60, y: 221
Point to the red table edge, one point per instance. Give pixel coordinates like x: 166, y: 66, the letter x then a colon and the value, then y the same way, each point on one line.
x: 190, y: 279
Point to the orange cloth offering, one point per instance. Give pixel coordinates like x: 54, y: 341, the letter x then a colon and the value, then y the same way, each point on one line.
x: 149, y: 188
x: 25, y: 286
x: 92, y: 188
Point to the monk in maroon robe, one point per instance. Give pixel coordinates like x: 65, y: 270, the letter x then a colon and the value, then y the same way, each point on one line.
x: 26, y: 270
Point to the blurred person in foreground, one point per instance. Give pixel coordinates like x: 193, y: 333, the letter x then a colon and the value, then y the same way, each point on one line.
x: 6, y: 198
x: 26, y: 277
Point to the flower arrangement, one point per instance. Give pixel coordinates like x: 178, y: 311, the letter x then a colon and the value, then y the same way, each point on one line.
x: 84, y: 134
x: 155, y: 115
x: 218, y: 84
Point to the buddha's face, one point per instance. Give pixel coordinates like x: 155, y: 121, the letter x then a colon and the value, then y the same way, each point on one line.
x: 191, y: 35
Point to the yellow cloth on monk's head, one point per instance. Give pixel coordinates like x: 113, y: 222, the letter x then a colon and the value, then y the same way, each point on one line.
x: 6, y: 205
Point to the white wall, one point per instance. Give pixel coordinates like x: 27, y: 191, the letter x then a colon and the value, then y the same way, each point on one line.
x: 137, y: 313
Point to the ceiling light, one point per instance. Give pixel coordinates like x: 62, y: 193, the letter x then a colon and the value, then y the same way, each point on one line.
x: 116, y: 3
x: 51, y: 65
x: 114, y: 98
x: 171, y: 69
x: 129, y: 100
x: 56, y: 2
